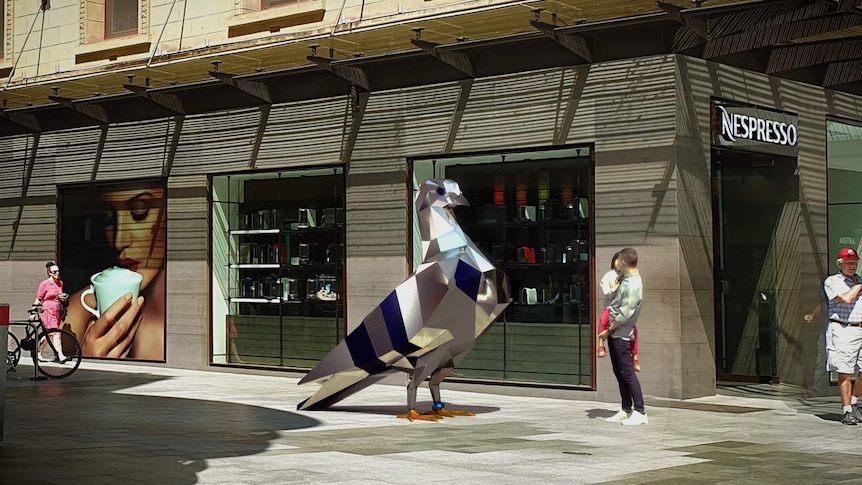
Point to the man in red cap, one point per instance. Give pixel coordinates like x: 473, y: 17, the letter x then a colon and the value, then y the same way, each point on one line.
x: 844, y: 337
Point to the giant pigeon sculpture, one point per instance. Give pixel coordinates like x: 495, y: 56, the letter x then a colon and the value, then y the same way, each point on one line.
x: 429, y: 322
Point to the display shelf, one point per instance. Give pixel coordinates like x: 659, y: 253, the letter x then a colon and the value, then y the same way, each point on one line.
x: 253, y: 232
x: 298, y: 231
x: 256, y: 266
x: 285, y: 266
x: 255, y: 300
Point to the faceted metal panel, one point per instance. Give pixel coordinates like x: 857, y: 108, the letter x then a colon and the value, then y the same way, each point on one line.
x: 430, y: 321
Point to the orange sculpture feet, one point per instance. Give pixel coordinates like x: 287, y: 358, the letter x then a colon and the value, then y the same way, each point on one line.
x: 414, y: 415
x: 448, y: 413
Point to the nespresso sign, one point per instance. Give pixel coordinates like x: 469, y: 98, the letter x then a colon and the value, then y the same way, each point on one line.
x: 755, y: 129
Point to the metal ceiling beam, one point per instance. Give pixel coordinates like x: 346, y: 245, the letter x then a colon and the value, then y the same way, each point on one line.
x: 578, y: 44
x: 92, y: 111
x: 695, y: 23
x: 754, y: 15
x: 778, y: 34
x: 169, y: 101
x: 841, y: 73
x: 257, y: 89
x: 800, y: 56
x: 27, y: 121
x: 849, y: 5
x: 356, y: 75
x: 457, y: 60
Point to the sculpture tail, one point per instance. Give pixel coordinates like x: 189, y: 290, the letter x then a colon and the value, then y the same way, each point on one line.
x: 339, y: 387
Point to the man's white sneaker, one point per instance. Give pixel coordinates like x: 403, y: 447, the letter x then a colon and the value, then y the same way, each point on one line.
x: 635, y: 419
x: 619, y: 417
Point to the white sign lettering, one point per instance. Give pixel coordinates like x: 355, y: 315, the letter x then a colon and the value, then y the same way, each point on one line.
x: 738, y: 125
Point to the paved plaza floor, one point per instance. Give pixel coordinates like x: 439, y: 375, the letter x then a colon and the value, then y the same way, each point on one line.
x: 120, y: 424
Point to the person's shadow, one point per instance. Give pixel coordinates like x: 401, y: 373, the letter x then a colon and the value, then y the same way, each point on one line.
x: 596, y: 413
x: 84, y: 430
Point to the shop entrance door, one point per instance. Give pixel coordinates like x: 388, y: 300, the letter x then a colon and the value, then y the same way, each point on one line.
x: 752, y: 193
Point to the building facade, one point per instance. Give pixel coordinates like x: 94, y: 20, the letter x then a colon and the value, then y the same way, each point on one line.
x: 259, y: 174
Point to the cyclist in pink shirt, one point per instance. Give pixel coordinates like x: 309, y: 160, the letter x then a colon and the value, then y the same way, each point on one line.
x: 50, y: 295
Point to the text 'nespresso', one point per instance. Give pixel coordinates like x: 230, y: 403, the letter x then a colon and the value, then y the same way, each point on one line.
x: 737, y: 125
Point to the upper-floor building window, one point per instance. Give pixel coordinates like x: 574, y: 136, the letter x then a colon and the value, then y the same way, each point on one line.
x: 274, y: 3
x: 121, y: 17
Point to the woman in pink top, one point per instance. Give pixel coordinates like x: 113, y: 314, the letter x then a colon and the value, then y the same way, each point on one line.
x: 49, y: 295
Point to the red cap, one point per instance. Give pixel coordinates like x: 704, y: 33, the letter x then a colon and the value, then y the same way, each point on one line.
x: 848, y: 254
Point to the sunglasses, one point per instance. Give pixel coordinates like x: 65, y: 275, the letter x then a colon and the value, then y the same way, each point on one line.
x: 56, y: 271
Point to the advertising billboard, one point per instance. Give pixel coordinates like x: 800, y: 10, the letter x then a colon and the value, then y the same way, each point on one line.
x: 112, y: 254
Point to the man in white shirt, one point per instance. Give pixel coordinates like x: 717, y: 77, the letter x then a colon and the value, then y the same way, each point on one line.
x: 844, y: 311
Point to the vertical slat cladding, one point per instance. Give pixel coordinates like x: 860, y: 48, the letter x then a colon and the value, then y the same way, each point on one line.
x: 394, y: 126
x: 799, y: 247
x: 216, y: 142
x: 741, y: 21
x: 187, y: 223
x: 514, y: 110
x: 63, y: 157
x: 8, y: 215
x: 36, y: 238
x: 627, y: 104
x: 799, y: 56
x: 134, y: 150
x: 397, y: 124
x: 14, y: 154
x: 14, y: 151
x: 304, y: 133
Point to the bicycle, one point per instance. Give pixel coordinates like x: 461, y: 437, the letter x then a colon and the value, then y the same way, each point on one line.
x: 38, y: 341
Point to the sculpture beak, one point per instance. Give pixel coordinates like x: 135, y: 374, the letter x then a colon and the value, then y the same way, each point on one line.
x: 458, y: 199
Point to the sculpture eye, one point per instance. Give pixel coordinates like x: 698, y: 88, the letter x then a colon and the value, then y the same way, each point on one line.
x: 441, y: 190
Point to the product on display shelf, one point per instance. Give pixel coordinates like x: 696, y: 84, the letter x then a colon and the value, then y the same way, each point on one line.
x: 307, y: 218
x: 326, y: 287
x: 527, y: 213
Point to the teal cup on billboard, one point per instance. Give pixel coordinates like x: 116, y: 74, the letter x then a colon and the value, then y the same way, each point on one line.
x: 109, y: 286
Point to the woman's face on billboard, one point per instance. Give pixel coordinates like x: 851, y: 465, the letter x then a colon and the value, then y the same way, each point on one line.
x: 135, y: 227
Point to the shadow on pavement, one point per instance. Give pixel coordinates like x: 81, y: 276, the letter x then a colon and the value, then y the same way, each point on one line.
x: 396, y: 410
x: 835, y: 417
x: 84, y: 430
x: 600, y: 413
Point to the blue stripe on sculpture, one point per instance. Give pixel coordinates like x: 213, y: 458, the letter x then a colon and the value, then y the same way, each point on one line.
x: 468, y: 278
x: 362, y: 350
x: 391, y: 310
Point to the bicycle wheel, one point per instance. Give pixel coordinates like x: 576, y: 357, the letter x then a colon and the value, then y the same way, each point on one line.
x: 49, y: 363
x: 13, y: 352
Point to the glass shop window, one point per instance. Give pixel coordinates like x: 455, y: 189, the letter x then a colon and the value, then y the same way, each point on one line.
x: 844, y: 174
x: 121, y: 17
x: 529, y: 213
x: 278, y: 266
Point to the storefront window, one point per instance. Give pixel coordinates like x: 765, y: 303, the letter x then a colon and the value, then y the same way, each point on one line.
x: 529, y: 213
x: 844, y: 167
x: 278, y: 266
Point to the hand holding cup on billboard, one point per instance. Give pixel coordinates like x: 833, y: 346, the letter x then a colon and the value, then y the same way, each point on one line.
x: 117, y: 308
x: 113, y: 332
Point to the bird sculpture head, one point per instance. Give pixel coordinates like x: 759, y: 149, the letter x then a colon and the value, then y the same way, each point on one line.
x: 440, y: 193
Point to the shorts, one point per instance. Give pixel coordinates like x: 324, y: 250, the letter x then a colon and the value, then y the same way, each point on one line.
x: 844, y: 348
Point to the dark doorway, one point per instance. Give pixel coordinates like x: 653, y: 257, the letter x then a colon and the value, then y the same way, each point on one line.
x: 750, y: 193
